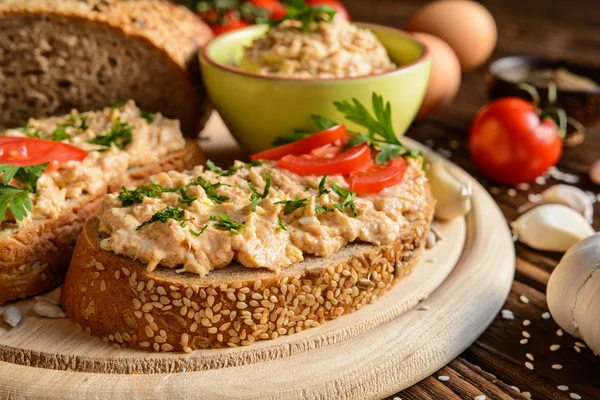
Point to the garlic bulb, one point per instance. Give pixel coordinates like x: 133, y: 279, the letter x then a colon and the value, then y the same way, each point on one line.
x: 573, y: 292
x: 551, y: 227
x: 566, y: 195
x: 453, y: 196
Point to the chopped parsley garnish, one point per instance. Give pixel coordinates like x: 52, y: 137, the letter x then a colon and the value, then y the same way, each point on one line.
x: 210, y: 189
x: 151, y: 189
x: 298, y: 10
x: 232, y: 170
x: 225, y: 223
x: 320, y: 208
x: 119, y: 135
x: 15, y: 198
x: 199, y: 233
x: 322, y: 189
x: 77, y: 121
x: 175, y: 213
x: 348, y: 196
x: 119, y: 104
x: 380, y: 132
x: 280, y: 223
x: 293, y: 205
x: 256, y: 197
x: 60, y: 133
x: 30, y: 131
x: 185, y: 198
x: 147, y: 116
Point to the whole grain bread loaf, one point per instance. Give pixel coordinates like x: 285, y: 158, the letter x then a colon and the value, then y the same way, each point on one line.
x: 56, y: 55
x: 116, y: 298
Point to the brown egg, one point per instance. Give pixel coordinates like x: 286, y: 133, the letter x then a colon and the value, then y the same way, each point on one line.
x: 444, y: 81
x: 467, y: 26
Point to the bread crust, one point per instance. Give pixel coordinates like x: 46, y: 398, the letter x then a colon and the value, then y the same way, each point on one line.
x: 35, y: 258
x: 116, y: 298
x: 171, y: 29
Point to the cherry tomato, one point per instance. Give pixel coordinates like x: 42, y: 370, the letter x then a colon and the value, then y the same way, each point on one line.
x: 351, y: 160
x: 303, y: 146
x: 28, y: 151
x: 275, y: 8
x: 342, y: 12
x: 228, y: 27
x: 378, y: 177
x: 510, y: 144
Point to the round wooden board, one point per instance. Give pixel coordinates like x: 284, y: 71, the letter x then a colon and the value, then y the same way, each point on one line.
x: 376, y: 351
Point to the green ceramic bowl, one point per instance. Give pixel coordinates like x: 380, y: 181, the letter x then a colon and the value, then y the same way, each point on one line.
x: 256, y: 108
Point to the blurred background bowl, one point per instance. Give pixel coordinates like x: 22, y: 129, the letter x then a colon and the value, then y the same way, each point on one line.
x: 257, y: 108
x: 506, y: 73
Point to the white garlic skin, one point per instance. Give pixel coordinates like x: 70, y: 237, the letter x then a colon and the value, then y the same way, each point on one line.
x: 573, y: 292
x: 551, y: 227
x: 567, y: 195
x: 453, y: 197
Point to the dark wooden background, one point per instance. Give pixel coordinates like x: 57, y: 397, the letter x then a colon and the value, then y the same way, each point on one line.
x: 568, y: 29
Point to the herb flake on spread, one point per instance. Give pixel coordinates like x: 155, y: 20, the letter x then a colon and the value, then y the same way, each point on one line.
x: 348, y: 196
x: 15, y: 198
x: 175, y: 213
x: 147, y: 116
x: 151, y: 189
x: 280, y: 223
x: 256, y: 197
x: 119, y: 135
x: 210, y: 189
x: 233, y: 169
x: 225, y: 223
x: 292, y: 205
x: 198, y: 233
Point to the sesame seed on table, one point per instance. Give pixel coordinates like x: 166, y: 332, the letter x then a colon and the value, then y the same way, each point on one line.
x: 496, y: 365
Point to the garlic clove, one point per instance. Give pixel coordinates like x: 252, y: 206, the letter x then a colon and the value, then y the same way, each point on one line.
x: 567, y: 195
x: 573, y: 291
x: 453, y: 197
x: 551, y: 227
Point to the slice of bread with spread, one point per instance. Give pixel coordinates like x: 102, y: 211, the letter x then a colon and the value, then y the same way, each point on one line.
x: 64, y: 54
x: 35, y: 251
x: 229, y: 269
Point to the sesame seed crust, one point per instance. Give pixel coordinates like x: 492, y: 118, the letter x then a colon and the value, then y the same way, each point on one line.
x: 233, y: 306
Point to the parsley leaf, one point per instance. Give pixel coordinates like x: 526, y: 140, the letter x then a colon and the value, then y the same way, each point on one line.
x: 15, y: 198
x: 225, y: 223
x: 210, y: 189
x: 280, y: 223
x: 348, y: 196
x: 211, y: 165
x: 163, y: 216
x: 298, y: 10
x: 320, y: 208
x: 147, y: 116
x: 232, y: 170
x: 119, y: 135
x: 151, y: 189
x: 323, y: 122
x: 322, y: 189
x: 185, y: 198
x: 256, y: 197
x: 293, y: 205
x: 379, y: 127
x: 199, y: 233
x: 60, y: 133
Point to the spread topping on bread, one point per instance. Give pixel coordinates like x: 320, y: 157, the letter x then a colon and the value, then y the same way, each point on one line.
x: 259, y: 215
x: 110, y: 141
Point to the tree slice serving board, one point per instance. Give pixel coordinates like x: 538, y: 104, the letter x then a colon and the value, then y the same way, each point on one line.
x: 460, y: 284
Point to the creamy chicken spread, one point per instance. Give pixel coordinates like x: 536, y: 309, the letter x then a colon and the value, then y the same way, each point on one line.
x: 335, y: 49
x: 152, y: 137
x: 210, y: 223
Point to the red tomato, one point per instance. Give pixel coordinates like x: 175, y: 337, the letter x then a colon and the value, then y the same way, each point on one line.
x: 303, y: 146
x: 355, y: 158
x: 228, y: 27
x: 342, y: 12
x: 275, y: 8
x: 510, y: 144
x: 378, y: 177
x: 26, y: 151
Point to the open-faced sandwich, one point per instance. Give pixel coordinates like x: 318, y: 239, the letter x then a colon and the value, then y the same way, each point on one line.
x: 207, y: 258
x: 54, y: 174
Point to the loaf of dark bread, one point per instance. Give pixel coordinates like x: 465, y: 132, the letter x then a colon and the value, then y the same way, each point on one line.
x: 56, y: 55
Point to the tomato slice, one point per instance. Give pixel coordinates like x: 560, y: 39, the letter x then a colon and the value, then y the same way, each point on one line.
x: 354, y: 159
x: 303, y: 146
x: 28, y: 151
x: 378, y: 177
x: 274, y: 7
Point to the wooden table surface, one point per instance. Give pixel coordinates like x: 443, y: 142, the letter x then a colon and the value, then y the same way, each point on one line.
x: 495, y: 365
